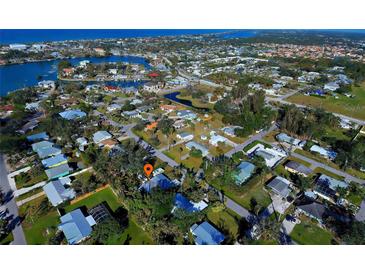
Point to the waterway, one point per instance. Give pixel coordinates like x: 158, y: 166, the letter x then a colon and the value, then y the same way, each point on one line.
x: 173, y: 97
x: 17, y: 76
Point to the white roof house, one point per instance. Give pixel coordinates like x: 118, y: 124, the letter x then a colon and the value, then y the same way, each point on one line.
x: 332, y: 86
x: 215, y: 139
x: 272, y: 156
x: 100, y: 136
x: 198, y: 146
x: 186, y: 136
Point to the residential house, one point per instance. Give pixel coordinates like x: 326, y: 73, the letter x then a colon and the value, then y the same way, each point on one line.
x: 297, y: 168
x: 331, y: 86
x: 41, y: 145
x: 168, y: 108
x: 197, y: 146
x: 48, y: 152
x: 160, y: 180
x: 231, y: 130
x: 57, y: 193
x: 327, y: 187
x: 58, y: 171
x: 54, y: 161
x: 272, y: 156
x: 101, y: 136
x: 313, y: 210
x: 245, y: 171
x: 206, y: 234
x: 329, y: 154
x: 72, y: 114
x: 283, y: 137
x: 216, y: 139
x: 108, y: 143
x: 113, y: 107
x: 76, y: 226
x: 42, y: 136
x: 151, y: 87
x: 131, y: 114
x: 185, y: 136
x: 151, y: 126
x: 82, y: 142
x: 186, y: 114
x: 280, y: 186
x: 181, y: 202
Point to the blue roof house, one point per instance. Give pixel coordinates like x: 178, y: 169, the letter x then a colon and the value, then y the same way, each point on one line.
x: 57, y: 193
x: 245, y: 171
x: 41, y: 145
x: 54, y: 161
x: 160, y: 181
x: 42, y: 136
x: 183, y: 203
x: 58, y: 171
x: 72, y: 114
x: 75, y: 226
x: 206, y: 234
x: 48, y: 152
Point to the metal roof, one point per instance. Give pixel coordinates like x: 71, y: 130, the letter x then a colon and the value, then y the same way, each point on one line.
x: 75, y: 226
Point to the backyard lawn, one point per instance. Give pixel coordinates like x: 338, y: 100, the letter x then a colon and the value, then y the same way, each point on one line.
x: 354, y: 107
x: 35, y: 227
x: 253, y: 189
x: 223, y: 220
x: 308, y: 233
x: 105, y: 195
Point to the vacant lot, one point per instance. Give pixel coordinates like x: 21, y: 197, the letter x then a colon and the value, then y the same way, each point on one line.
x: 354, y: 107
x: 308, y: 233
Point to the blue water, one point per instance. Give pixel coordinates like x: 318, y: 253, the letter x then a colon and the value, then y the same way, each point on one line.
x: 42, y: 35
x: 172, y: 96
x: 18, y: 76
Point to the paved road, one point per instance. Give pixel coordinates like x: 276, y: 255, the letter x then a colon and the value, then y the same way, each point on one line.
x: 315, y: 164
x: 256, y: 137
x: 10, y: 205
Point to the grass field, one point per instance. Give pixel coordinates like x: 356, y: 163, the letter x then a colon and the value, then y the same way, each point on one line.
x: 223, y: 220
x: 105, y: 195
x: 253, y: 189
x: 354, y: 107
x: 308, y: 233
x: 35, y: 227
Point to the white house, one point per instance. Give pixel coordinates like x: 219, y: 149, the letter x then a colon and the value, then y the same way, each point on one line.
x: 185, y: 136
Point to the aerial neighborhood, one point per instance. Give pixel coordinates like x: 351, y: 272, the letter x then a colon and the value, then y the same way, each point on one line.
x: 252, y: 141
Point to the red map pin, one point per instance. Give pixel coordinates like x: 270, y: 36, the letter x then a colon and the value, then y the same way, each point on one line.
x: 148, y: 168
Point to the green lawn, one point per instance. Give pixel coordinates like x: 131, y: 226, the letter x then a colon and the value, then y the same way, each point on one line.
x: 105, y: 195
x: 7, y: 240
x: 354, y: 107
x: 308, y: 233
x: 253, y: 189
x: 133, y: 235
x: 35, y: 227
x: 223, y: 220
x: 328, y: 173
